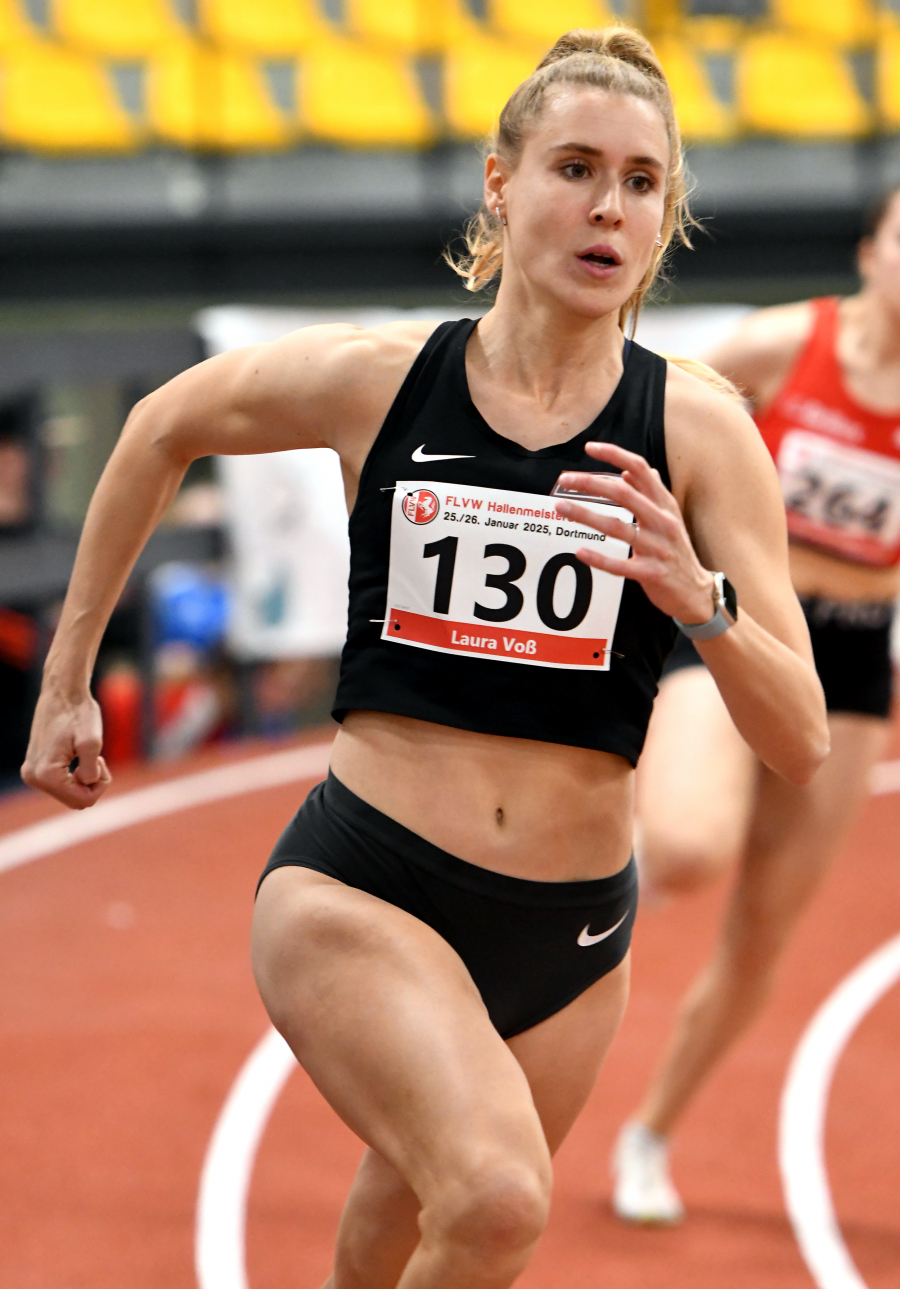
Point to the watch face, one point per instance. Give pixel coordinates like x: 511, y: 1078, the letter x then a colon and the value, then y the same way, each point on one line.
x: 729, y: 598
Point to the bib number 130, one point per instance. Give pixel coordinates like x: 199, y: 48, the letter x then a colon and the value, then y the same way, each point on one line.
x: 494, y: 574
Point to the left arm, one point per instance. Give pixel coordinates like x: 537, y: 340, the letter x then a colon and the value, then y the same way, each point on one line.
x: 724, y: 512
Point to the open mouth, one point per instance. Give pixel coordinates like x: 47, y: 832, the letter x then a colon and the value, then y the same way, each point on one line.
x: 605, y: 260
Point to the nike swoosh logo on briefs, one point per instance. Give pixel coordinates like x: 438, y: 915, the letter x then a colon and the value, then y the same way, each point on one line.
x: 419, y: 455
x: 586, y: 940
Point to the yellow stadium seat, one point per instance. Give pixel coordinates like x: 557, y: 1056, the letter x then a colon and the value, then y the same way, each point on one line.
x: 888, y: 79
x: 847, y: 23
x: 790, y: 86
x: 409, y: 26
x: 116, y: 28
x: 480, y: 73
x: 353, y: 94
x: 56, y: 100
x: 716, y: 33
x: 200, y: 97
x: 15, y: 27
x: 266, y: 28
x: 541, y: 23
x: 701, y: 116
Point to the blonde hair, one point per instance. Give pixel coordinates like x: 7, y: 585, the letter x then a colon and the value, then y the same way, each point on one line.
x: 617, y: 59
x: 709, y: 375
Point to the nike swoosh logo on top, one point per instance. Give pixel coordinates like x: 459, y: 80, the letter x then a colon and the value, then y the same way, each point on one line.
x: 419, y: 455
x: 586, y: 940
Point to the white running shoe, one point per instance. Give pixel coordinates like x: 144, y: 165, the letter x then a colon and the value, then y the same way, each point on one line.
x: 643, y: 1190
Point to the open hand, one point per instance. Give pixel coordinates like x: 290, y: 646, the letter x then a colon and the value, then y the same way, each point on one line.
x: 65, y: 732
x: 662, y: 557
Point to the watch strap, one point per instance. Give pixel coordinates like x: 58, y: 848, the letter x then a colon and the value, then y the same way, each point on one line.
x: 705, y: 630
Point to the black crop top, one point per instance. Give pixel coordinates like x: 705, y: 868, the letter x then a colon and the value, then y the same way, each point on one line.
x: 467, y: 605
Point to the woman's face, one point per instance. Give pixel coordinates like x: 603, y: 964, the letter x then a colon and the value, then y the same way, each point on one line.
x: 585, y: 203
x: 879, y: 257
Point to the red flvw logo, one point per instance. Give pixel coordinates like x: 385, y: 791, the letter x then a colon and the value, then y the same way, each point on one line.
x: 421, y: 506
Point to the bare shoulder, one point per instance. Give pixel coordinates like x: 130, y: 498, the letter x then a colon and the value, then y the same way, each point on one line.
x: 704, y: 425
x: 761, y: 350
x: 329, y: 355
x: 329, y: 385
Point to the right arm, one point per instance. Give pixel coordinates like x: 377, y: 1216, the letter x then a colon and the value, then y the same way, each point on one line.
x: 320, y: 387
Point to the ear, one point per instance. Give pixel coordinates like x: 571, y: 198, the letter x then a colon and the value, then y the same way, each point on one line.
x: 495, y: 178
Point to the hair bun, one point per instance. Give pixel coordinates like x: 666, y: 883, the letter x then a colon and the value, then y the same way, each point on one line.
x: 624, y: 44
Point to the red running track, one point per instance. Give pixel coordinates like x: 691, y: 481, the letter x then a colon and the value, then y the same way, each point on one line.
x: 128, y: 1009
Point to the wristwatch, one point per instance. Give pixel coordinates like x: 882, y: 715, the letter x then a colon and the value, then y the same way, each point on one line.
x: 725, y: 616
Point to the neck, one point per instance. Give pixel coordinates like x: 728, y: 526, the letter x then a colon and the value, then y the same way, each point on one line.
x: 541, y: 349
x: 873, y: 327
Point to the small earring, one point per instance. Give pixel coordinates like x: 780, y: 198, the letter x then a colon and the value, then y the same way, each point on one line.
x: 659, y: 241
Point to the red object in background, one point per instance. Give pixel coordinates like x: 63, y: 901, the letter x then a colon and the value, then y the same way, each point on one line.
x: 188, y: 714
x: 120, y: 695
x: 18, y: 639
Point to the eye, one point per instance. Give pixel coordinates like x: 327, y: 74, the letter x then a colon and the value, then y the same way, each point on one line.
x: 641, y: 183
x: 575, y: 169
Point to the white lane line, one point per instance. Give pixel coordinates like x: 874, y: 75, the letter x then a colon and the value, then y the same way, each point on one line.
x: 62, y: 831
x: 804, y: 1105
x: 221, y: 1214
x: 219, y: 1248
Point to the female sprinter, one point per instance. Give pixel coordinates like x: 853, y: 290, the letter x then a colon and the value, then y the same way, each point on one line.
x: 441, y: 933
x: 824, y: 380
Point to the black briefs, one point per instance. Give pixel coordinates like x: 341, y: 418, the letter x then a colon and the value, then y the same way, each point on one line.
x: 530, y: 947
x: 852, y: 649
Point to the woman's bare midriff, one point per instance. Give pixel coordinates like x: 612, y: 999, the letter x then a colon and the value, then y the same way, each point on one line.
x: 815, y: 573
x: 517, y: 806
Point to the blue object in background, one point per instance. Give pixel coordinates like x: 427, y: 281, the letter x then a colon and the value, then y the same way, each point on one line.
x: 189, y: 606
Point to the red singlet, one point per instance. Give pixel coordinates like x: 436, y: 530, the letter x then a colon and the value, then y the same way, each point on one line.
x: 839, y: 463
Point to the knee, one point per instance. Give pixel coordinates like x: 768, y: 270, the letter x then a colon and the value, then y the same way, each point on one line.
x: 494, y: 1214
x: 680, y: 866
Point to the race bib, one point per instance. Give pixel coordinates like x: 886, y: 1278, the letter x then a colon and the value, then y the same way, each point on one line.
x: 493, y: 574
x: 843, y: 499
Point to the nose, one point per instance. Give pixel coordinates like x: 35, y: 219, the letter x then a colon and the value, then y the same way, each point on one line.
x: 606, y: 210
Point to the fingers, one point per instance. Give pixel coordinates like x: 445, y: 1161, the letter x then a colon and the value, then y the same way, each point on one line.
x: 607, y: 564
x: 621, y: 491
x: 59, y: 783
x: 652, y: 536
x: 589, y: 518
x: 64, y: 757
x: 88, y: 770
x: 641, y: 473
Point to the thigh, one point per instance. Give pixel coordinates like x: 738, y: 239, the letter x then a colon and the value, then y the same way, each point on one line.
x: 796, y: 832
x: 384, y: 1016
x: 695, y: 778
x: 562, y: 1056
